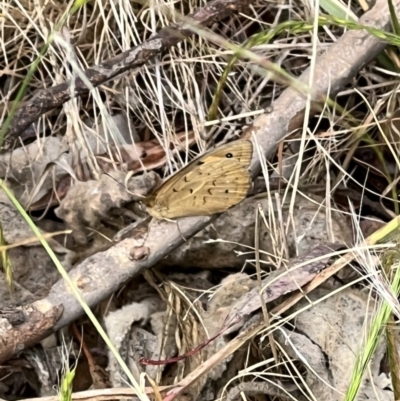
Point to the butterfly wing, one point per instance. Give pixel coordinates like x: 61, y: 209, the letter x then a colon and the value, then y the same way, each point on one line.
x: 210, y: 184
x: 224, y: 186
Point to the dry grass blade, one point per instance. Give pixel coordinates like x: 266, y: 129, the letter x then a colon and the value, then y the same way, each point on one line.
x: 373, y: 239
x: 227, y: 350
x: 46, y: 100
x: 283, y: 281
x: 256, y: 327
x: 104, y: 394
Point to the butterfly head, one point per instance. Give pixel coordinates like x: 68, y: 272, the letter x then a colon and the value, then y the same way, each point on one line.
x: 153, y: 208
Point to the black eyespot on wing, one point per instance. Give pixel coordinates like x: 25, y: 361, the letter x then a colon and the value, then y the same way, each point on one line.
x: 143, y: 155
x: 185, y: 179
x: 229, y: 155
x: 174, y: 190
x: 190, y: 190
x: 199, y: 163
x: 227, y: 191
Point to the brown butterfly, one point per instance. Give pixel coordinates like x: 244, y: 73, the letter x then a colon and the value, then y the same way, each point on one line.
x: 210, y: 184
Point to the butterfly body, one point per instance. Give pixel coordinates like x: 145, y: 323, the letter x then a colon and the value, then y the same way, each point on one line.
x: 210, y: 184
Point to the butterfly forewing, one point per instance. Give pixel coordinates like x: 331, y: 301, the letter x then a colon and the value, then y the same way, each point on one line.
x: 240, y: 151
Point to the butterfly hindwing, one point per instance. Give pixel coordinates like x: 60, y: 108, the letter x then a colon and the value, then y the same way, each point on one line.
x: 209, y: 184
x: 217, y: 193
